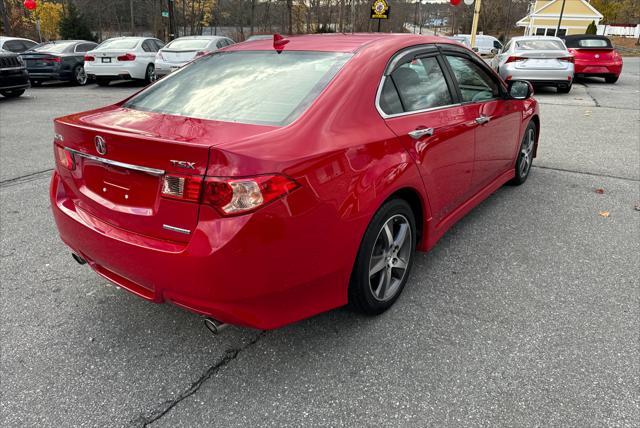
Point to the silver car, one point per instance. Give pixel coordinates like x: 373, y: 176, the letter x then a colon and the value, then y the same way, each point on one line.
x: 543, y: 61
x: 180, y: 51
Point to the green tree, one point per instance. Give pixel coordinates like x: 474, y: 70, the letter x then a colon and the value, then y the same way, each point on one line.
x: 73, y: 25
x: 592, y: 29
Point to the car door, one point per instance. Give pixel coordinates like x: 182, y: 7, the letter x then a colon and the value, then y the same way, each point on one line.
x: 498, y: 118
x: 420, y: 105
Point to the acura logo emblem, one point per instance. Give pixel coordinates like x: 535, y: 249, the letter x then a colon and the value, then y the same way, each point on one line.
x: 101, y: 145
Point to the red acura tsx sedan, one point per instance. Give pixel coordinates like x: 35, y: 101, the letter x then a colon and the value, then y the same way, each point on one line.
x: 277, y: 179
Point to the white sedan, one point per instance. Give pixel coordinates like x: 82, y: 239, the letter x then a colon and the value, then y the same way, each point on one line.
x: 181, y: 51
x: 123, y: 58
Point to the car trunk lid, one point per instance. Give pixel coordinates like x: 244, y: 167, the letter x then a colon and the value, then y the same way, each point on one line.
x: 602, y: 54
x: 179, y: 56
x: 40, y: 60
x: 122, y: 182
x: 542, y: 59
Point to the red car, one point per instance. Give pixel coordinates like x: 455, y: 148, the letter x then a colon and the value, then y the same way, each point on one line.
x: 595, y: 56
x: 274, y: 180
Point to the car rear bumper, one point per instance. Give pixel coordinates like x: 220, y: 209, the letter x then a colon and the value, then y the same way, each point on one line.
x: 511, y: 72
x: 165, y: 68
x: 50, y: 76
x: 116, y: 71
x: 14, y: 79
x: 599, y: 69
x: 232, y: 269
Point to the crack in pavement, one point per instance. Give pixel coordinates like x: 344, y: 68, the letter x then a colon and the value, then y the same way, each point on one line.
x: 594, y: 174
x: 144, y: 420
x: 586, y: 89
x: 24, y: 178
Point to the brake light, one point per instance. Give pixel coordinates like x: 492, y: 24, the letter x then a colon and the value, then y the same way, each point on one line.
x: 515, y: 59
x: 183, y: 187
x: 127, y: 57
x: 89, y: 58
x: 232, y: 196
x: 65, y: 158
x: 570, y: 59
x: 52, y: 59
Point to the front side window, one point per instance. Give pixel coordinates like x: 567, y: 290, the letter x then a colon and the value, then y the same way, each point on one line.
x: 474, y: 82
x: 420, y: 85
x: 256, y: 87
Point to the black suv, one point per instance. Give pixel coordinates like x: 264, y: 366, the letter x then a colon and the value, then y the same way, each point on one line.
x: 14, y: 78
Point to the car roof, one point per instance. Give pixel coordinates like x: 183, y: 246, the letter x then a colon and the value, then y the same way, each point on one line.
x: 5, y: 38
x: 341, y: 42
x: 200, y: 38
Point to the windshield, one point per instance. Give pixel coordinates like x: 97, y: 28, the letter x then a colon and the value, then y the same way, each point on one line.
x: 256, y: 87
x: 540, y: 45
x: 51, y: 47
x: 187, y: 44
x: 118, y: 44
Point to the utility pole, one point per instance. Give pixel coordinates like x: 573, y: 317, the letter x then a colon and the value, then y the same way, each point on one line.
x: 560, y: 18
x: 172, y: 21
x: 133, y: 24
x: 5, y: 18
x: 415, y: 16
x: 353, y: 16
x: 474, y: 25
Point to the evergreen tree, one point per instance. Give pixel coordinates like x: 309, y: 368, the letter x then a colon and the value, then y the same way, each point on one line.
x: 592, y: 29
x: 73, y: 26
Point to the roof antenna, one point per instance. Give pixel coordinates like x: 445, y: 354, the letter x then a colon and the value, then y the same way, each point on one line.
x: 279, y: 42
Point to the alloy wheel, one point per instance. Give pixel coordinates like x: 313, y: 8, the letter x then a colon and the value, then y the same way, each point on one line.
x: 526, y: 152
x: 390, y: 258
x: 81, y: 76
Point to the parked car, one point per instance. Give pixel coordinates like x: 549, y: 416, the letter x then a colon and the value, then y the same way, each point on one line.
x: 123, y: 58
x: 181, y: 51
x: 16, y: 44
x: 259, y: 37
x: 59, y: 60
x: 14, y: 79
x: 262, y: 186
x: 595, y: 56
x: 542, y: 60
x: 485, y: 45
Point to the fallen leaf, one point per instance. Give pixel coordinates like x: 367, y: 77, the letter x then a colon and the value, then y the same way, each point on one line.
x: 604, y: 214
x: 599, y: 191
x: 637, y: 207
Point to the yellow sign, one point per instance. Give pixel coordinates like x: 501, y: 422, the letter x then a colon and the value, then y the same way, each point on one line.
x: 380, y: 9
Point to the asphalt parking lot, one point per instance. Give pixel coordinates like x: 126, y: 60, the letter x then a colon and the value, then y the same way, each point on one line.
x: 526, y: 313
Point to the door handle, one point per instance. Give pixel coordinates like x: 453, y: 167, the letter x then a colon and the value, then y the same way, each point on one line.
x: 419, y: 133
x: 482, y: 119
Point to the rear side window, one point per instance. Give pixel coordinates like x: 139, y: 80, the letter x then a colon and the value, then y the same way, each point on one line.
x: 421, y: 85
x: 149, y: 46
x: 474, y: 82
x: 256, y: 87
x: 85, y: 47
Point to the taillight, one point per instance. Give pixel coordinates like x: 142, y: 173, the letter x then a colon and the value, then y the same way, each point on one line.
x: 570, y: 59
x: 183, y: 187
x: 89, y: 58
x: 241, y: 195
x: 127, y: 57
x: 65, y: 157
x: 52, y: 59
x: 515, y: 59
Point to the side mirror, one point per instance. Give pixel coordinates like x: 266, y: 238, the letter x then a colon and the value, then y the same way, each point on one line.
x: 520, y: 89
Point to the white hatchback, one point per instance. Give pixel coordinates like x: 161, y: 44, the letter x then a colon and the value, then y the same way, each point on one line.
x: 181, y: 51
x: 123, y: 58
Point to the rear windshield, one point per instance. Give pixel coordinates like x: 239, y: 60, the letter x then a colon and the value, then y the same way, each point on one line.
x: 256, y: 87
x: 118, y: 44
x: 593, y: 43
x: 51, y: 47
x: 539, y: 45
x: 183, y: 45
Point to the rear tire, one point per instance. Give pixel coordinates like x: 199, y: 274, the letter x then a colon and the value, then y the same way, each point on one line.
x: 564, y: 89
x: 102, y: 81
x: 611, y: 79
x: 79, y: 76
x: 384, y: 259
x: 525, y: 155
x: 149, y: 75
x: 13, y: 93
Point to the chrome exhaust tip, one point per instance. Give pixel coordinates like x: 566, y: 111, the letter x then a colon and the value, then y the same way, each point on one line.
x: 214, y: 326
x: 79, y: 259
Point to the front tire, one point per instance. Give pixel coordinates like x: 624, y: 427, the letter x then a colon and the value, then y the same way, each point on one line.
x: 384, y: 259
x: 13, y: 93
x: 525, y: 155
x: 80, y: 77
